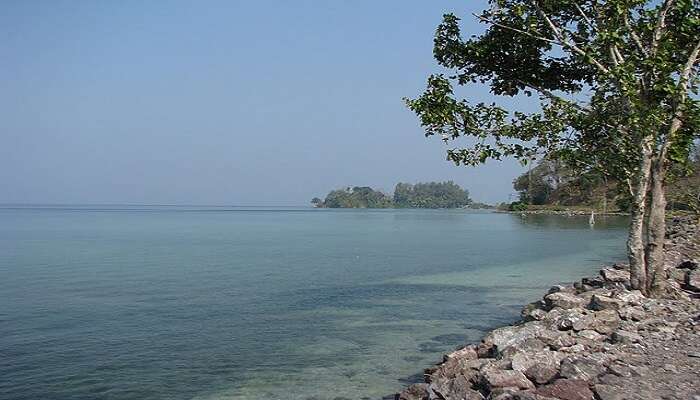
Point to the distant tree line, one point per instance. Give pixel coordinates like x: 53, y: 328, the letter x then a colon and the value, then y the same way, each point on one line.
x: 551, y: 182
x: 420, y: 195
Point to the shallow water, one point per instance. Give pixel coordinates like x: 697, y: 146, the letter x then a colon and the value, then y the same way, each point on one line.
x: 279, y: 303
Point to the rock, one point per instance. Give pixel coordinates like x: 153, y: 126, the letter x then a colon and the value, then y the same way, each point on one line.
x: 609, y: 392
x: 625, y: 337
x: 563, y: 300
x: 561, y: 288
x: 507, y: 393
x: 590, y: 335
x: 622, y: 266
x: 508, y: 336
x: 585, y: 368
x: 418, y: 391
x: 679, y: 275
x: 615, y: 275
x: 496, y: 378
x: 605, y: 322
x: 557, y: 339
x: 630, y: 297
x: 566, y: 389
x: 540, y: 367
x: 689, y: 264
x: 596, y: 281
x: 567, y: 319
x: 600, y: 303
x: 633, y: 313
x: 692, y: 280
x: 466, y: 353
x: 530, y: 345
x: 458, y: 388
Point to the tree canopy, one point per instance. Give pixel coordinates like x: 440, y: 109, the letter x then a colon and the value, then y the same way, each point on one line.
x: 421, y: 195
x: 617, y: 84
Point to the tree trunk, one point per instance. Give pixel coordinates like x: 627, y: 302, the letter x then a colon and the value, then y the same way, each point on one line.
x: 656, y: 272
x: 635, y: 239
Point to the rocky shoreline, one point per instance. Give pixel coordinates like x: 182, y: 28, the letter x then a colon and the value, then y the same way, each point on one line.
x: 595, y: 339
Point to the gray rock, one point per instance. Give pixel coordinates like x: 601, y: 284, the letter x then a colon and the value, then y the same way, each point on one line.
x: 630, y: 297
x: 418, y: 391
x: 582, y: 367
x: 565, y: 319
x: 631, y: 313
x: 600, y: 303
x: 496, y: 378
x: 466, y: 353
x: 692, y: 280
x: 625, y: 337
x: 590, y: 335
x: 563, y: 300
x: 605, y: 322
x: 615, y: 275
x: 540, y: 367
x: 609, y: 392
x: 508, y: 336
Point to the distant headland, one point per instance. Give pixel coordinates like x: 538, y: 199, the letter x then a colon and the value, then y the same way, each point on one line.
x: 420, y: 195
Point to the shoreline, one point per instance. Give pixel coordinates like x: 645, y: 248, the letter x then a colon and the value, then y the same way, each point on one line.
x: 594, y: 339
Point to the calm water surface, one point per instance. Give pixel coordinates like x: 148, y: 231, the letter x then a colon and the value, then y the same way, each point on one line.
x: 246, y: 303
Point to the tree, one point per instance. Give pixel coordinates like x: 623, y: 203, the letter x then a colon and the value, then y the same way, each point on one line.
x: 615, y: 81
x: 317, y: 202
x: 430, y: 195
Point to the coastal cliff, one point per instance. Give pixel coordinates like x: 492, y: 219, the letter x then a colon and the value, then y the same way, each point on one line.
x: 595, y: 339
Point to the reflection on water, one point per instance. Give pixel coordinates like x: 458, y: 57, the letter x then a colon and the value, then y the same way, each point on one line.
x: 244, y: 303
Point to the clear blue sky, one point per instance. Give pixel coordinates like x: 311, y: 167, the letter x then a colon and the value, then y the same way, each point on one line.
x: 220, y: 102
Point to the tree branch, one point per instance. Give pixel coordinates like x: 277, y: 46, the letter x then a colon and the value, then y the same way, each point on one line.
x: 660, y: 25
x: 566, y: 43
x: 635, y: 37
x: 526, y: 33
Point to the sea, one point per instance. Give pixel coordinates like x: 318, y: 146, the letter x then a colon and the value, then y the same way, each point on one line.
x: 192, y: 302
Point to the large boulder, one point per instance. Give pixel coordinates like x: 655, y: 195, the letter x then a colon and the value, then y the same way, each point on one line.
x: 584, y: 367
x: 498, y: 378
x: 565, y: 319
x: 600, y: 303
x: 465, y: 353
x: 605, y: 322
x: 692, y: 280
x: 458, y: 388
x: 612, y: 275
x: 502, y: 338
x: 563, y: 300
x: 566, y: 389
x: 625, y: 337
x: 418, y: 391
x: 540, y: 367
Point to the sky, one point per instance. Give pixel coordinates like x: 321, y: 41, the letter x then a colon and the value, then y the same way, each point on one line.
x: 221, y: 102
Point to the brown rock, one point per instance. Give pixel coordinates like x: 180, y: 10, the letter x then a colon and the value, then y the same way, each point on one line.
x: 567, y: 389
x: 419, y: 391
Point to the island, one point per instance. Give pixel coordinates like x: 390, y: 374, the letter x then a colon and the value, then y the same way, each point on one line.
x: 420, y: 195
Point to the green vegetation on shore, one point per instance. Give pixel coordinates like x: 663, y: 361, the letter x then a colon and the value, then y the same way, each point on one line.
x: 617, y: 84
x: 420, y: 195
x: 551, y: 185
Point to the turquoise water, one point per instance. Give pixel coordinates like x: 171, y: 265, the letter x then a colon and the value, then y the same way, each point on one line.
x: 118, y: 302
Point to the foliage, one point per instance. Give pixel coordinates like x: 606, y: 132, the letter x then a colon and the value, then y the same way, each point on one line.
x: 585, y: 49
x: 617, y: 82
x: 517, y: 206
x: 430, y: 195
x: 357, y: 197
x: 421, y: 195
